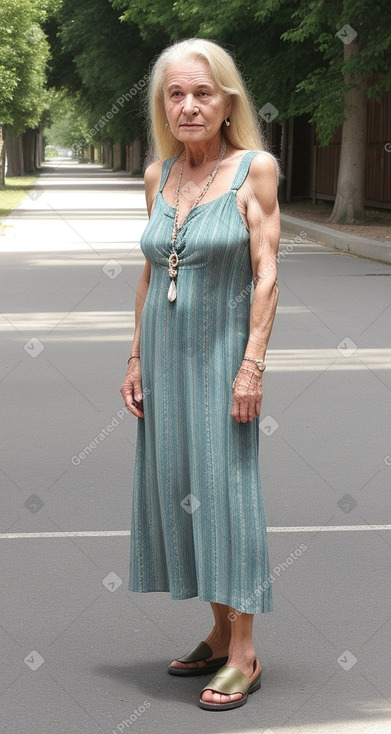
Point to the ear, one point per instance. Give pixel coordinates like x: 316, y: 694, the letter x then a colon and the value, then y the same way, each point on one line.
x: 228, y: 106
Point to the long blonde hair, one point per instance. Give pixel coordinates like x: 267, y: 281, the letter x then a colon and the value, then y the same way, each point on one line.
x: 243, y: 133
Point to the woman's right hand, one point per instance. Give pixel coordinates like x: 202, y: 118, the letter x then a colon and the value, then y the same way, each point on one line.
x: 131, y: 388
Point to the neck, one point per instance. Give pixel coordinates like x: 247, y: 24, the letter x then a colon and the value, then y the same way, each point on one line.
x: 199, y: 153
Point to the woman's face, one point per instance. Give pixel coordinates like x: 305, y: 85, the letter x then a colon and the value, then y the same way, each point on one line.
x: 194, y: 105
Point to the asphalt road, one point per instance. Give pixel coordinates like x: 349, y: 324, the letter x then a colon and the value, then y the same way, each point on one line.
x: 80, y: 653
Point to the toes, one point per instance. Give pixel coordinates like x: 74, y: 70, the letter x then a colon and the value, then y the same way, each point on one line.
x: 210, y: 696
x: 178, y: 664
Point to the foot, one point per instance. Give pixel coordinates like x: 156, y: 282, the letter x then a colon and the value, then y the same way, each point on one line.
x: 246, y: 665
x: 219, y: 647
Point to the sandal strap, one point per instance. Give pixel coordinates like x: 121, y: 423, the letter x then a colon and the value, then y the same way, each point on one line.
x: 199, y: 652
x: 229, y: 680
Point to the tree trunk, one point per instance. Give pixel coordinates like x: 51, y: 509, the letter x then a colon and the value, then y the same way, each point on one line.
x: 39, y: 148
x: 107, y: 157
x: 2, y: 159
x: 14, y: 153
x: 28, y: 142
x: 349, y: 201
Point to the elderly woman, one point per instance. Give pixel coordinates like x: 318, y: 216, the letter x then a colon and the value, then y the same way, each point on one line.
x: 205, y: 306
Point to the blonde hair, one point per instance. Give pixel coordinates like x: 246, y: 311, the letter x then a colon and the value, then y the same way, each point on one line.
x: 243, y: 133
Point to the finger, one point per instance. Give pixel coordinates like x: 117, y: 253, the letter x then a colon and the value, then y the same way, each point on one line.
x: 244, y: 411
x: 252, y: 408
x: 258, y: 407
x: 138, y: 392
x: 138, y: 395
x: 235, y: 410
x: 136, y: 411
x: 135, y: 406
x: 127, y: 394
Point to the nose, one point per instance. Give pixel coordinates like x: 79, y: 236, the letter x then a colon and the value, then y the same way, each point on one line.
x: 189, y: 106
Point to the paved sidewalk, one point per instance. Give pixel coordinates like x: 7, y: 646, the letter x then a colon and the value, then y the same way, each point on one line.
x: 349, y: 243
x: 80, y: 653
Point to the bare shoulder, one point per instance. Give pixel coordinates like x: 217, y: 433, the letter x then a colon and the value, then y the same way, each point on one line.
x: 263, y: 180
x: 153, y: 173
x: 264, y: 164
x: 152, y: 177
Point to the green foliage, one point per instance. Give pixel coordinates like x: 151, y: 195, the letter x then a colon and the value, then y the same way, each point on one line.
x: 67, y: 124
x: 24, y: 53
x: 321, y: 91
x: 105, y: 62
x: 288, y: 49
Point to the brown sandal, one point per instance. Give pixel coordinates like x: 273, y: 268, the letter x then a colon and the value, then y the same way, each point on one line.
x: 202, y: 651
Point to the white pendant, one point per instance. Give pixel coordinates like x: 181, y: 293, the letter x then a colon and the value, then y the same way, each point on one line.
x: 172, y: 291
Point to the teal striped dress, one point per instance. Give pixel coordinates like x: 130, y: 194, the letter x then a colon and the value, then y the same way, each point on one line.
x: 198, y: 525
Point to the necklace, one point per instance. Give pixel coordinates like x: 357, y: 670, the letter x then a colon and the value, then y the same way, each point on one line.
x: 173, y: 260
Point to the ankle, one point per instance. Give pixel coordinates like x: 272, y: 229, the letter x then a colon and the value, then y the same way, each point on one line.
x: 244, y: 653
x: 218, y: 638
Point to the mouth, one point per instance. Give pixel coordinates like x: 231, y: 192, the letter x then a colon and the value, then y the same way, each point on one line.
x: 190, y: 125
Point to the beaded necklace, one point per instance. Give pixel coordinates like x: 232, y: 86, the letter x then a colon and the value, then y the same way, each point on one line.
x: 173, y: 260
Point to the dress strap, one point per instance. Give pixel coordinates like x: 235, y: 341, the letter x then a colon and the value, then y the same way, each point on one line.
x: 243, y: 169
x: 166, y: 168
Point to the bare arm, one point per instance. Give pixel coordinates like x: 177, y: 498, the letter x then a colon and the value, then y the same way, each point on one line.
x: 131, y: 388
x: 259, y: 201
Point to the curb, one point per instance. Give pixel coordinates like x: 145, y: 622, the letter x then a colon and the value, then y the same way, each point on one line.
x: 352, y: 244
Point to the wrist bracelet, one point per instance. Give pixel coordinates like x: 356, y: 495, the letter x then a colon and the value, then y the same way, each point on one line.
x: 134, y: 356
x: 259, y: 362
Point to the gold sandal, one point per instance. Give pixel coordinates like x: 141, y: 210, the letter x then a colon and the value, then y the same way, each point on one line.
x: 231, y: 680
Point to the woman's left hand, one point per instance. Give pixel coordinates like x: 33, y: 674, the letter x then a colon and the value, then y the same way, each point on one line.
x: 247, y: 394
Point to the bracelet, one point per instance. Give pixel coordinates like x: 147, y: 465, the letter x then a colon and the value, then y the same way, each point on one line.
x: 134, y: 356
x: 259, y: 362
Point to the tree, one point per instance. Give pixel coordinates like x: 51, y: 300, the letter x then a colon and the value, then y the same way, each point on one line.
x: 24, y: 52
x: 354, y: 39
x: 317, y: 58
x: 66, y: 121
x: 103, y: 63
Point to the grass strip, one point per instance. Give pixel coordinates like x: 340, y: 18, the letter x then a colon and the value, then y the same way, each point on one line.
x: 16, y: 188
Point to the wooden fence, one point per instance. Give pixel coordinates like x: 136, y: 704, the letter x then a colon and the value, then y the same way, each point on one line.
x: 325, y: 161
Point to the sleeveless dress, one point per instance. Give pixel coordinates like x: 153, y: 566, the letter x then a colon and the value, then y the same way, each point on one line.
x: 198, y: 525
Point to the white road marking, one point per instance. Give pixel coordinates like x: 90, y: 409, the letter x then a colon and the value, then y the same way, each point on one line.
x: 118, y: 533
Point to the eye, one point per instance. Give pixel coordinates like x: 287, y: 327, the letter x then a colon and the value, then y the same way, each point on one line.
x: 203, y: 93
